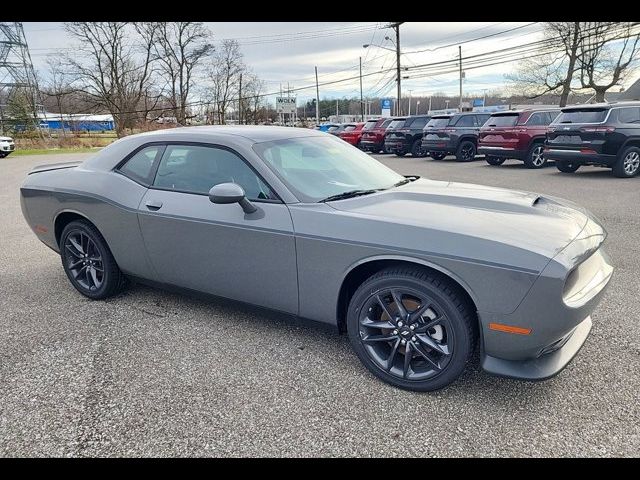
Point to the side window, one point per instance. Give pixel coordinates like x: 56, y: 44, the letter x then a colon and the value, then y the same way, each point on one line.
x: 419, y: 122
x: 629, y: 115
x: 538, y: 118
x: 466, y: 121
x: 140, y: 166
x: 195, y: 169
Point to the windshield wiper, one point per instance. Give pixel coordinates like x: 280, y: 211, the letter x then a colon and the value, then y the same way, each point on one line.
x: 349, y: 194
x: 408, y: 179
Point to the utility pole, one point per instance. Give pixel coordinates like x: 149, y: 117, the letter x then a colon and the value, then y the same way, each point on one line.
x: 460, y: 52
x: 317, y: 100
x: 397, y: 28
x: 410, y: 92
x: 484, y: 97
x: 361, y: 104
x: 337, y: 114
x: 429, y: 103
x: 240, y: 101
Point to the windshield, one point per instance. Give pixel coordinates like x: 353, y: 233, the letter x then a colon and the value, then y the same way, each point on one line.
x: 386, y: 123
x: 370, y: 124
x: 396, y: 123
x: 582, y: 116
x: 438, y: 122
x: 502, y: 121
x: 315, y: 168
x: 333, y: 128
x: 349, y: 128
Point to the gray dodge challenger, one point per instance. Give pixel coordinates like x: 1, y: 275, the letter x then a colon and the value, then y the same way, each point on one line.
x: 417, y: 272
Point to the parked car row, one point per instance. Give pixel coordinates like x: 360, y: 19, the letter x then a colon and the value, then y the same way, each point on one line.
x: 605, y: 135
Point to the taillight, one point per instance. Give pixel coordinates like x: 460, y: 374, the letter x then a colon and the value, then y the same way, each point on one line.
x: 598, y: 129
x: 588, y: 150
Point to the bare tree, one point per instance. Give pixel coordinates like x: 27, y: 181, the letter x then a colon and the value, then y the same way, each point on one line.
x: 607, y: 54
x: 225, y: 71
x: 58, y: 87
x: 180, y: 48
x: 252, y: 101
x: 553, y: 69
x: 112, y: 64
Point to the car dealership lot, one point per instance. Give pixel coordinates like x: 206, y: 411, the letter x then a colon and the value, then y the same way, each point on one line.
x: 154, y: 373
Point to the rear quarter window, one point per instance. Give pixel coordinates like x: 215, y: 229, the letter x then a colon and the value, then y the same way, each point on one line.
x: 502, y: 121
x: 466, y: 121
x: 629, y: 115
x: 438, y: 122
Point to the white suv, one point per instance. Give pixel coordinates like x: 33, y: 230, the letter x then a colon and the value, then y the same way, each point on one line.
x: 6, y: 146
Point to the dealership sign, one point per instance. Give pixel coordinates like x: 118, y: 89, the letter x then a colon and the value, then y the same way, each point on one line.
x: 385, y: 106
x: 285, y: 104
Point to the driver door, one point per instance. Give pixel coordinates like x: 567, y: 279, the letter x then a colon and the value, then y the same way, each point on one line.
x: 213, y: 248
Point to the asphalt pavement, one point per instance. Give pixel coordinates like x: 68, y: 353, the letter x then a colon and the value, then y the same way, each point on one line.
x: 150, y: 373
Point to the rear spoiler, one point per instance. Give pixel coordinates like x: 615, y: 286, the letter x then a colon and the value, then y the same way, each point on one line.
x: 54, y: 166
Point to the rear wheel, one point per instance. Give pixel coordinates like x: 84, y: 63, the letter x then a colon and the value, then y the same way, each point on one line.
x: 567, y: 167
x: 88, y: 262
x: 416, y: 149
x: 535, y: 157
x: 466, y: 151
x: 494, y: 160
x: 628, y: 165
x: 411, y: 328
x: 437, y: 155
x: 400, y: 153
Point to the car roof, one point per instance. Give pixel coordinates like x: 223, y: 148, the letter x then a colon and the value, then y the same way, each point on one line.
x: 523, y: 110
x: 600, y: 106
x: 257, y: 133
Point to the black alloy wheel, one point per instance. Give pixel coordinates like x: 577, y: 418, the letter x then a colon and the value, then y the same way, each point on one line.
x: 494, y: 160
x: 411, y: 328
x: 437, y: 155
x: 416, y: 149
x: 466, y: 151
x: 88, y: 262
x: 567, y: 167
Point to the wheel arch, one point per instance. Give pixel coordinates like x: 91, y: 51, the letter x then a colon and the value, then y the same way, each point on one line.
x: 364, y: 268
x: 468, y: 137
x: 63, y: 218
x: 535, y: 140
x: 630, y: 142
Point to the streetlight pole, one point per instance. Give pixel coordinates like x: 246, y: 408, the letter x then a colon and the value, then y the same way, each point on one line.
x: 361, y: 104
x: 410, y: 92
x: 317, y: 100
x: 460, y: 52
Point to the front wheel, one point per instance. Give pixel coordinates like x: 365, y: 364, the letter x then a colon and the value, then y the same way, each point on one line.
x: 88, y: 262
x: 628, y: 165
x: 466, y: 151
x: 437, y: 155
x: 494, y: 160
x: 400, y: 153
x: 411, y: 328
x: 3, y: 154
x: 535, y: 157
x: 567, y: 167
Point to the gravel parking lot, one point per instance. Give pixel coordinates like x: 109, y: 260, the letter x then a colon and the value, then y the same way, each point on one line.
x: 154, y: 373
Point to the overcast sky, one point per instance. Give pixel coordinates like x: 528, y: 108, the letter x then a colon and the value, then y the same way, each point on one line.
x: 287, y: 52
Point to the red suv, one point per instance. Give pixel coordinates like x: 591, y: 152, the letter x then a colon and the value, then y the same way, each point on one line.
x: 517, y: 134
x: 352, y: 133
x: 373, y: 134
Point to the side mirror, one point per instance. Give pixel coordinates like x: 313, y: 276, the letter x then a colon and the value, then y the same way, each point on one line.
x: 225, y: 193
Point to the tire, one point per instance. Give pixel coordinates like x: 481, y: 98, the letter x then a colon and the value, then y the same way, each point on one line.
x: 466, y: 151
x: 401, y: 153
x: 384, y: 149
x: 447, y: 336
x: 494, y: 160
x: 567, y: 167
x: 3, y: 154
x: 437, y: 155
x: 628, y: 165
x: 535, y: 157
x: 416, y: 149
x: 96, y: 285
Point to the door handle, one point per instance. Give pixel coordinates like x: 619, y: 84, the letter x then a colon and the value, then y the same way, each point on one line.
x: 154, y: 204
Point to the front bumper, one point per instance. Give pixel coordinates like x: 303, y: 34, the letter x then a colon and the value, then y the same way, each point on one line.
x: 501, y: 152
x: 7, y: 147
x: 554, y: 317
x: 545, y: 366
x: 579, y: 157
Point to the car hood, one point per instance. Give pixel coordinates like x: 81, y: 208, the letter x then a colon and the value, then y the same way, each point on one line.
x: 540, y: 224
x: 6, y: 139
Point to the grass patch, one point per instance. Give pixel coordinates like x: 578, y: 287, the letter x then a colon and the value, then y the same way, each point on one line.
x: 45, y: 151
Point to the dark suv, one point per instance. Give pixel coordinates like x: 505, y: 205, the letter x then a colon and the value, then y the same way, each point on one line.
x: 516, y: 134
x: 455, y: 134
x: 408, y: 138
x: 373, y: 134
x: 605, y: 135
